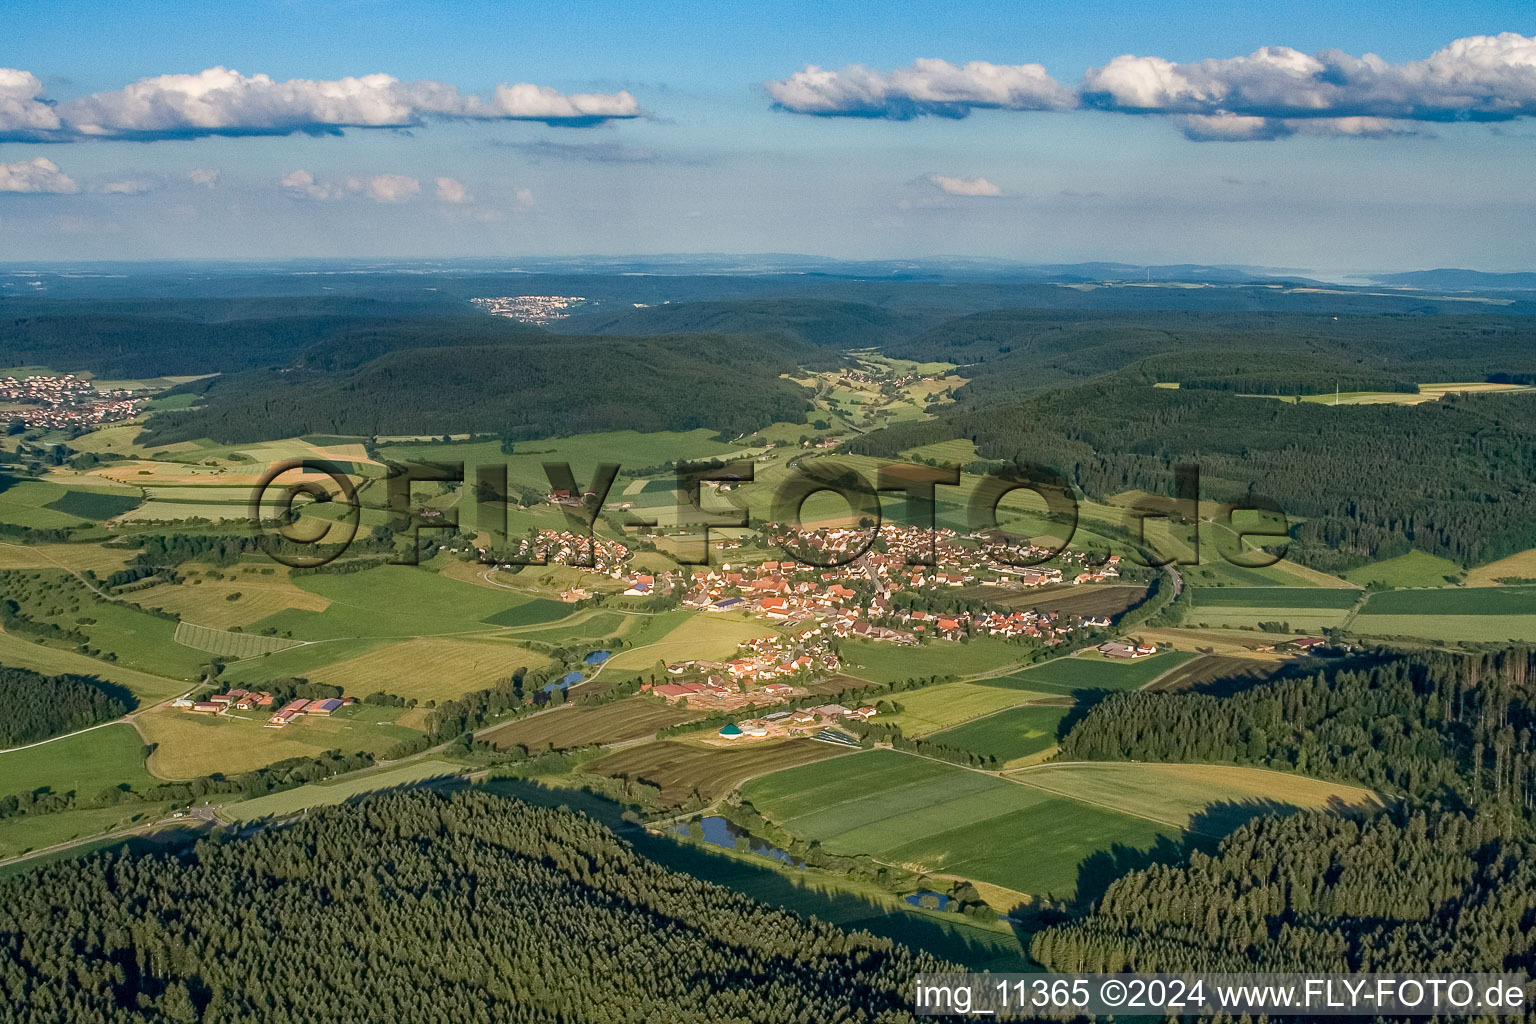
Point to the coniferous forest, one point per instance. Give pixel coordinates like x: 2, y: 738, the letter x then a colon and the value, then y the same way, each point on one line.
x: 420, y: 906
x: 34, y: 707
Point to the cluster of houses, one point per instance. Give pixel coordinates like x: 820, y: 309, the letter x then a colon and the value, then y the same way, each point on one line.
x: 564, y: 547
x: 530, y: 309
x: 788, y: 723
x: 769, y: 670
x: 857, y: 599
x: 254, y: 700
x: 67, y: 401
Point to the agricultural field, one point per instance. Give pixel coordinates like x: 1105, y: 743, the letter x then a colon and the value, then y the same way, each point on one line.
x: 1307, y: 609
x: 1091, y: 671
x: 1210, y: 668
x: 84, y: 763
x: 1241, y: 643
x: 530, y: 613
x: 148, y: 687
x: 1519, y: 566
x: 584, y: 627
x: 881, y: 662
x: 938, y: 707
x: 224, y: 644
x: 1008, y: 735
x: 335, y: 791
x: 429, y: 668
x: 1274, y: 597
x: 26, y: 503
x: 97, y: 505
x: 238, y: 600
x: 935, y: 817
x: 190, y: 745
x: 1485, y: 613
x: 103, y: 561
x: 698, y: 635
x: 1086, y: 600
x: 391, y: 601
x: 132, y: 637
x: 570, y: 725
x: 683, y: 768
x: 1415, y: 569
x: 1212, y: 799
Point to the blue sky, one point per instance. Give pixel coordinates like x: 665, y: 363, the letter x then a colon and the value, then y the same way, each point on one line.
x: 659, y: 128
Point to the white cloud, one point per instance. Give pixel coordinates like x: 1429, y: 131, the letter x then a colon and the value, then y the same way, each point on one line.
x: 386, y: 188
x: 21, y: 106
x: 40, y: 175
x: 450, y: 190
x: 208, y: 177
x: 964, y: 186
x: 1278, y: 91
x: 929, y: 86
x: 302, y: 183
x: 525, y: 198
x: 221, y: 101
x: 126, y: 188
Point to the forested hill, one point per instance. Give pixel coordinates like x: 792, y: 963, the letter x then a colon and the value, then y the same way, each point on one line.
x: 1443, y: 881
x: 1451, y: 728
x: 34, y: 707
x: 1452, y: 477
x: 423, y: 907
x: 542, y: 386
x: 838, y: 325
x: 1409, y: 892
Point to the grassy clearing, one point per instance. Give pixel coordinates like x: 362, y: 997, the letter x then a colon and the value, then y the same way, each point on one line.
x: 225, y: 644
x: 1092, y: 672
x: 1415, y: 569
x: 1184, y: 794
x: 85, y: 763
x: 571, y: 726
x: 147, y: 687
x: 321, y: 794
x: 191, y: 745
x: 593, y: 627
x: 681, y: 768
x: 429, y: 668
x: 936, y: 817
x: 1008, y: 735
x: 938, y: 707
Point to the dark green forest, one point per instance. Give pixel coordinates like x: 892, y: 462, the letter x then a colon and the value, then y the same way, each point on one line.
x: 34, y: 707
x: 533, y: 388
x: 420, y: 906
x: 1449, y: 728
x: 1407, y: 892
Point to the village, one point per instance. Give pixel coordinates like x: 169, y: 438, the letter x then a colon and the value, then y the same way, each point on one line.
x: 62, y: 402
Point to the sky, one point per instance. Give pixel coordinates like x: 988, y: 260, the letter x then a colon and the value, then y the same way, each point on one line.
x: 1318, y: 137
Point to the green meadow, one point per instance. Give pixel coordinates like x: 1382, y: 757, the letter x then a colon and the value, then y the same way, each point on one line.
x: 1093, y: 672
x: 1008, y: 735
x: 937, y: 817
x: 85, y: 763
